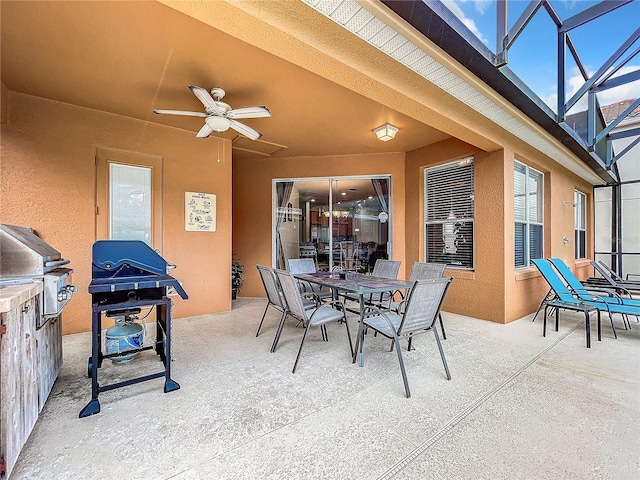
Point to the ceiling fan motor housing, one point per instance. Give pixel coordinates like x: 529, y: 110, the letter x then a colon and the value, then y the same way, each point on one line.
x: 217, y: 124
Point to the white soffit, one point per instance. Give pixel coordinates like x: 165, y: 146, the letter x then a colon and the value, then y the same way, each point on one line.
x: 361, y: 22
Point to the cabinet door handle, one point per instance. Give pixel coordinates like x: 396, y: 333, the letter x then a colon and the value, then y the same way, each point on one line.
x: 25, y: 309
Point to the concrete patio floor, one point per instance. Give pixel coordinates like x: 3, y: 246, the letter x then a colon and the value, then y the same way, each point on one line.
x: 519, y: 406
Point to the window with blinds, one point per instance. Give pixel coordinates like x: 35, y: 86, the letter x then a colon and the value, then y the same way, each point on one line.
x: 449, y: 213
x: 580, y: 209
x: 528, y: 214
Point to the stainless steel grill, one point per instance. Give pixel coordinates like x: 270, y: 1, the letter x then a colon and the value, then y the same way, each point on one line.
x: 25, y: 257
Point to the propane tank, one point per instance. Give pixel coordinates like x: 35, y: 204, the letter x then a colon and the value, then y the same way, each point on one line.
x: 125, y: 335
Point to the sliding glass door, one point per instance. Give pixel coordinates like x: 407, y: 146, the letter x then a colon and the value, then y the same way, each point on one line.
x: 339, y: 222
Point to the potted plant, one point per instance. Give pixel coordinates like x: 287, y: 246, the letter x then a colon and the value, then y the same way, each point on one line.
x: 237, y: 277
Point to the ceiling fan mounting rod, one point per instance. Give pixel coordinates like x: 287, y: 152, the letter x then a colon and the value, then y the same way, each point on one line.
x: 217, y: 93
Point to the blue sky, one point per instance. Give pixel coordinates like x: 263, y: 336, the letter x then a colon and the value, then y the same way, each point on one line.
x: 533, y: 55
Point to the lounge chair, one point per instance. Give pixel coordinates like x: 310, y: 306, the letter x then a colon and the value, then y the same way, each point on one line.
x: 628, y: 287
x: 592, y: 293
x: 606, y: 294
x: 564, y: 298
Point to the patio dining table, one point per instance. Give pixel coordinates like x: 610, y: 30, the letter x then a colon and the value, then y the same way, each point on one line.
x: 358, y: 284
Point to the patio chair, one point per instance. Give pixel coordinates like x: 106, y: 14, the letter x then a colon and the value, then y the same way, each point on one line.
x: 316, y: 317
x: 585, y: 290
x: 564, y: 298
x: 589, y: 293
x: 275, y: 299
x: 419, y: 315
x: 307, y: 265
x: 420, y: 271
x: 348, y: 256
x: 628, y: 287
x: 385, y: 269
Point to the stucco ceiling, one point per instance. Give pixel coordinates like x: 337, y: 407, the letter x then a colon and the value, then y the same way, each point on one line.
x: 128, y: 58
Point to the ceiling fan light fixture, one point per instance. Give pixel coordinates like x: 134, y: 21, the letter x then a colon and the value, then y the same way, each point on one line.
x: 386, y: 132
x: 217, y: 124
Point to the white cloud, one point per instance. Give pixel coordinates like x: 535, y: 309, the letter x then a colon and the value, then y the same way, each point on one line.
x: 607, y: 97
x: 468, y: 22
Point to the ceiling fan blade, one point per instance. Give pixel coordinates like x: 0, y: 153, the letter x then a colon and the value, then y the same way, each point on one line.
x: 249, y: 112
x: 207, y: 100
x: 205, y: 131
x: 180, y: 112
x: 245, y: 130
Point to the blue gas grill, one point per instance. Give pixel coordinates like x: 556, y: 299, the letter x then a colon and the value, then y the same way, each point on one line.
x: 128, y: 275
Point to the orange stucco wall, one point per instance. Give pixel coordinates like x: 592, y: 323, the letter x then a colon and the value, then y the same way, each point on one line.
x: 525, y: 288
x: 494, y: 290
x: 478, y: 293
x: 252, y: 208
x: 48, y: 183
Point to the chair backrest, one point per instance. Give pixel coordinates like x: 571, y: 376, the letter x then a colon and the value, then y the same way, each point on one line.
x: 292, y: 294
x: 555, y: 282
x: 566, y: 273
x: 271, y: 286
x: 386, y: 268
x: 348, y: 254
x: 604, y: 273
x: 302, y: 265
x: 616, y: 278
x: 423, y: 305
x: 421, y: 270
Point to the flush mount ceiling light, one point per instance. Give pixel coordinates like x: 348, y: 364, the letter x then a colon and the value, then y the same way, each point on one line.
x: 386, y: 132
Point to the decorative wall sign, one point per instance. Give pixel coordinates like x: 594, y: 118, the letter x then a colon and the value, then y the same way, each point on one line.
x: 199, y: 212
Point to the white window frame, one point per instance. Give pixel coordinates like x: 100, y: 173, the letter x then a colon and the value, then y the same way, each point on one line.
x: 455, y: 234
x: 527, y: 221
x: 580, y: 224
x: 104, y: 158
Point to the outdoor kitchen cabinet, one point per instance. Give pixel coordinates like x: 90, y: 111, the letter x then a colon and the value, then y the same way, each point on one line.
x: 19, y: 365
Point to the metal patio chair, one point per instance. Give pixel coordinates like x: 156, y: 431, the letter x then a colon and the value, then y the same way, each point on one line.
x: 419, y: 315
x: 385, y: 269
x: 420, y: 271
x: 275, y: 299
x: 307, y: 265
x: 316, y: 317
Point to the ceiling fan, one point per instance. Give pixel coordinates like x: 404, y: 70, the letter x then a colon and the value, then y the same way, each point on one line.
x: 219, y: 115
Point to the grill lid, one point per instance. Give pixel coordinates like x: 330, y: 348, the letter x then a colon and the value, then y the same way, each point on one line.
x: 22, y: 252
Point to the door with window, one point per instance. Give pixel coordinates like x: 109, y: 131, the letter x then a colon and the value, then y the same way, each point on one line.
x: 129, y: 197
x: 340, y: 222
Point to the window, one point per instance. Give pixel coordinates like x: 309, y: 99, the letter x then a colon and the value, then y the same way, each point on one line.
x: 580, y: 208
x: 528, y: 214
x: 128, y: 197
x: 130, y: 202
x: 449, y: 213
